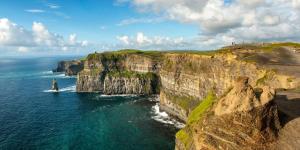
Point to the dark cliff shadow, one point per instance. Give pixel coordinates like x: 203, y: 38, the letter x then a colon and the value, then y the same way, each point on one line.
x: 289, y: 109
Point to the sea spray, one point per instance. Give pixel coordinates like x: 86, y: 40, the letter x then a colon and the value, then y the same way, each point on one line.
x: 163, y: 117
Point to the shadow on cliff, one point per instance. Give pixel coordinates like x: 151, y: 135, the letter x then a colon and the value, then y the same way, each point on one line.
x: 289, y: 109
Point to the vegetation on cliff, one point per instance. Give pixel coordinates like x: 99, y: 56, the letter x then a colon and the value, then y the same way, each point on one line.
x: 187, y: 103
x: 205, y: 104
x: 131, y: 74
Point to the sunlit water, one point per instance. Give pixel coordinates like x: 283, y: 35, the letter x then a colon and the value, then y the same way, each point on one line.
x: 34, y: 117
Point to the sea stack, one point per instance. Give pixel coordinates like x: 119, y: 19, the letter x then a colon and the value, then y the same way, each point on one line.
x: 54, y: 85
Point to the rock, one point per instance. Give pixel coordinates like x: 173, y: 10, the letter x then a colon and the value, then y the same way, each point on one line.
x: 242, y: 98
x: 239, y: 120
x: 54, y: 85
x: 128, y: 85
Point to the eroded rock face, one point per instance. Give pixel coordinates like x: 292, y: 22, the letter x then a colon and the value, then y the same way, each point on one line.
x: 123, y: 85
x: 131, y: 70
x: 240, y: 120
x: 242, y: 98
x: 89, y: 82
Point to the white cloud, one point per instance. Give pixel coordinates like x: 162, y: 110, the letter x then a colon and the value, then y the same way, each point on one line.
x: 39, y: 38
x: 239, y: 20
x: 14, y: 35
x: 296, y: 4
x: 141, y: 41
x: 124, y: 39
x: 35, y: 10
x: 73, y: 39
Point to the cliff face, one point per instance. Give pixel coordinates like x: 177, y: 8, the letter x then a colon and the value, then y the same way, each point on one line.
x: 119, y: 74
x: 123, y: 85
x: 242, y: 119
x: 70, y: 68
x: 187, y: 79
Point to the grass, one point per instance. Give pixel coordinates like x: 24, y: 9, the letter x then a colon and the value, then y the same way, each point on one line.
x: 198, y: 112
x: 131, y: 74
x: 92, y: 72
x: 183, y: 137
x: 185, y: 102
x: 273, y: 46
x: 83, y: 59
x: 201, y: 52
x: 291, y: 44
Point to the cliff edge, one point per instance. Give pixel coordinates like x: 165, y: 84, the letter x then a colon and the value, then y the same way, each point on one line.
x: 242, y: 119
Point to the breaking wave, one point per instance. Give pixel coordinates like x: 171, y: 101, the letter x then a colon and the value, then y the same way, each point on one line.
x: 50, y: 74
x: 119, y: 95
x: 66, y: 89
x: 163, y: 117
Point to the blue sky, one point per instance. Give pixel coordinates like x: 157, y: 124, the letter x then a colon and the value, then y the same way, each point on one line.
x: 39, y: 27
x: 93, y: 20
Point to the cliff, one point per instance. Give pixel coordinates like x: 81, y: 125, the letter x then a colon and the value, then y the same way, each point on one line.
x: 242, y: 119
x: 192, y: 83
x: 70, y: 68
x: 119, y: 73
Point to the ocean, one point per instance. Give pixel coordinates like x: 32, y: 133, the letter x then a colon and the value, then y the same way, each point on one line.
x: 34, y: 117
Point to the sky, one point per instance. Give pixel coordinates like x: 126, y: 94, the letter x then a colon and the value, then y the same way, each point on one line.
x: 79, y: 27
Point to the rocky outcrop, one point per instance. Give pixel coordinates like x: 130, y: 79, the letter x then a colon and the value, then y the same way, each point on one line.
x: 242, y: 119
x: 242, y: 98
x: 70, y: 68
x: 54, y: 85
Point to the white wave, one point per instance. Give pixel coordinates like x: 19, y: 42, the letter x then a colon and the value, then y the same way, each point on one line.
x: 66, y: 89
x: 47, y: 72
x: 55, y: 75
x: 119, y: 95
x: 154, y: 99
x: 163, y: 117
x: 69, y: 89
x: 50, y: 91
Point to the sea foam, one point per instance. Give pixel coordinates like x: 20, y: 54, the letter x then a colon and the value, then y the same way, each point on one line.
x: 163, y: 117
x: 66, y: 89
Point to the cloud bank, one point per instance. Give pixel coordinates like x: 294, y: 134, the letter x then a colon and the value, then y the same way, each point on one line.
x: 221, y: 22
x: 14, y: 37
x: 141, y: 41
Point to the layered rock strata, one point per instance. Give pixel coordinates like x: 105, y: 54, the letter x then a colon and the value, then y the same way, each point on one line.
x: 242, y: 119
x: 119, y: 74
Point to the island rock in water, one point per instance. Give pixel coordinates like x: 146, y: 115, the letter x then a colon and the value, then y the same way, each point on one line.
x: 54, y: 85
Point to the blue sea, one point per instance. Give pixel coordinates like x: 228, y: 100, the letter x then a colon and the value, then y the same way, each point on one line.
x: 33, y: 117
